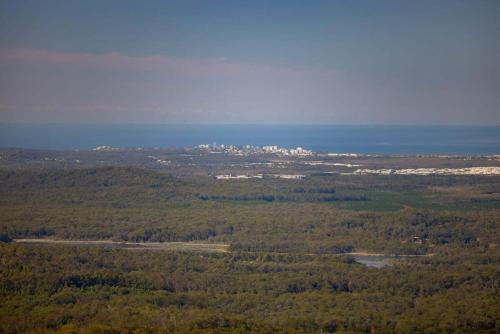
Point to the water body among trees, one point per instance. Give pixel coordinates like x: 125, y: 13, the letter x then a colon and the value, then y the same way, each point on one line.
x: 374, y: 261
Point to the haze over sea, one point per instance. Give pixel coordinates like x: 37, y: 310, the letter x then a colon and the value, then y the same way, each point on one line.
x: 394, y: 139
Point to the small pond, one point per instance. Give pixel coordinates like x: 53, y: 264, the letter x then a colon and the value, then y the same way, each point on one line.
x: 374, y: 261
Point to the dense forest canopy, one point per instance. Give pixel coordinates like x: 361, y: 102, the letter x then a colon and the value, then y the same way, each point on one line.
x: 290, y: 265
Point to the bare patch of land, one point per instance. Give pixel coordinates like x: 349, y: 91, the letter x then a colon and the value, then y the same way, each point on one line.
x: 173, y: 246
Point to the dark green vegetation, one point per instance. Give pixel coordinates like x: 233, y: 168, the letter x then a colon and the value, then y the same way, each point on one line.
x: 97, y: 290
x: 284, y: 271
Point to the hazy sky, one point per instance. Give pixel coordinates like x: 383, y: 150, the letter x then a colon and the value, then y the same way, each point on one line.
x: 389, y: 62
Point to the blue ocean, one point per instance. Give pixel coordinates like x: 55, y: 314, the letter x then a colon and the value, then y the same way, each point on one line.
x: 326, y: 138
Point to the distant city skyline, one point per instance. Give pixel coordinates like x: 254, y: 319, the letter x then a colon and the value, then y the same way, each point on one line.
x: 250, y: 62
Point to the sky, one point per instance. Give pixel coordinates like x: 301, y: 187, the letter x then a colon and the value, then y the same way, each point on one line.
x: 289, y: 62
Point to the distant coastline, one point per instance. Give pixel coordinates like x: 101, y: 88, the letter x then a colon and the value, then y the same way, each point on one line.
x: 374, y: 139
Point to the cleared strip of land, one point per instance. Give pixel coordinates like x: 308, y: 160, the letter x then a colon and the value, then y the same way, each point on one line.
x: 174, y: 246
x: 184, y: 246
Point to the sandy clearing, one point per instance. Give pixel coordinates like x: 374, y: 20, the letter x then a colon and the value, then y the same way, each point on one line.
x: 174, y: 246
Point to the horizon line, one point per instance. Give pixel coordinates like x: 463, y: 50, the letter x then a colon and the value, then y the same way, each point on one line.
x: 255, y: 124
